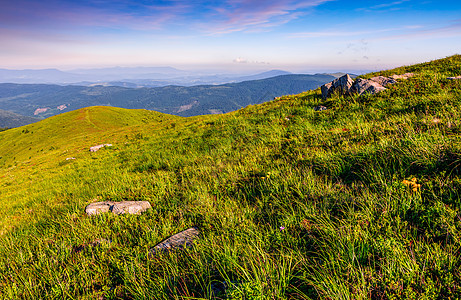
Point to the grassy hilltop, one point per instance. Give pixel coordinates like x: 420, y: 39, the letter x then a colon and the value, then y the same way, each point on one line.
x: 360, y: 201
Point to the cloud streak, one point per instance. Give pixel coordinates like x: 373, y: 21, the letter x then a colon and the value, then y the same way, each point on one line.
x: 247, y: 15
x: 451, y: 29
x: 209, y: 17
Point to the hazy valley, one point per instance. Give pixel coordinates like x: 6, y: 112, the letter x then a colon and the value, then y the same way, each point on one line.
x: 43, y: 100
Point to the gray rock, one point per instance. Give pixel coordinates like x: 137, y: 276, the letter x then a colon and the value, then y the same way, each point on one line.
x: 362, y: 86
x: 341, y: 85
x: 384, y: 81
x: 454, y: 78
x: 180, y: 240
x: 403, y: 76
x: 320, y: 108
x: 118, y: 208
x: 326, y: 89
x: 97, y: 147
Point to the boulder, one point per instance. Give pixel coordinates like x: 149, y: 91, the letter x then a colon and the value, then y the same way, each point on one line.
x: 403, y: 76
x: 97, y: 147
x: 118, y: 208
x: 341, y: 85
x: 326, y: 90
x: 180, y: 240
x: 362, y: 86
x: 384, y: 81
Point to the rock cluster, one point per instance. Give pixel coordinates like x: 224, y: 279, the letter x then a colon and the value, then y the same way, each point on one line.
x: 118, y: 208
x: 345, y: 85
x: 97, y: 147
x: 180, y: 240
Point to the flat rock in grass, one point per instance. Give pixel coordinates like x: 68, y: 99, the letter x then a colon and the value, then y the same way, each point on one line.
x: 97, y: 147
x: 118, y: 208
x: 402, y: 76
x: 180, y: 240
x: 454, y: 78
x: 362, y: 86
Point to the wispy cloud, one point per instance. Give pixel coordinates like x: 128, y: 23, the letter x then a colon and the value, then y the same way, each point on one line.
x: 340, y: 33
x: 384, y: 7
x: 207, y: 16
x: 452, y: 29
x: 250, y: 15
x: 240, y: 60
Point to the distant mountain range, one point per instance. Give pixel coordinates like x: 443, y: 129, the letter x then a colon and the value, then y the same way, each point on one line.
x: 127, y: 77
x: 44, y: 100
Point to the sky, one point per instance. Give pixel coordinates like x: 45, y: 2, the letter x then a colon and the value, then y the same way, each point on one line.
x: 234, y: 35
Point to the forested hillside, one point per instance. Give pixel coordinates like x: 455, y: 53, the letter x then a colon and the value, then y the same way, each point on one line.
x: 42, y: 100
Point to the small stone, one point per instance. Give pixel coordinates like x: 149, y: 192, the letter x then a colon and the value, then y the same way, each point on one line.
x: 362, y: 86
x: 130, y: 207
x: 99, y: 242
x: 320, y: 108
x: 70, y: 158
x: 118, y: 208
x: 97, y: 147
x: 454, y: 78
x: 180, y: 240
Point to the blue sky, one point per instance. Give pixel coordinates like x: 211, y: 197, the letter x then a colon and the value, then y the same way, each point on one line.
x: 232, y: 35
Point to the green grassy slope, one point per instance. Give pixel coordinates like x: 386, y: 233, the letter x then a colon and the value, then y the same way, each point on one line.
x: 361, y: 201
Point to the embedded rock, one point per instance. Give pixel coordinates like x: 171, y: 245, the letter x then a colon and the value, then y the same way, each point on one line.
x: 93, y: 244
x: 341, y: 85
x: 180, y: 240
x: 362, y: 86
x: 320, y: 108
x: 97, y: 147
x: 384, y: 81
x: 118, y: 208
x: 403, y: 76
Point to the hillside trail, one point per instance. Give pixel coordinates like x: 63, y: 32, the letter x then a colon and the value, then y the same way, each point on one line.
x: 87, y: 118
